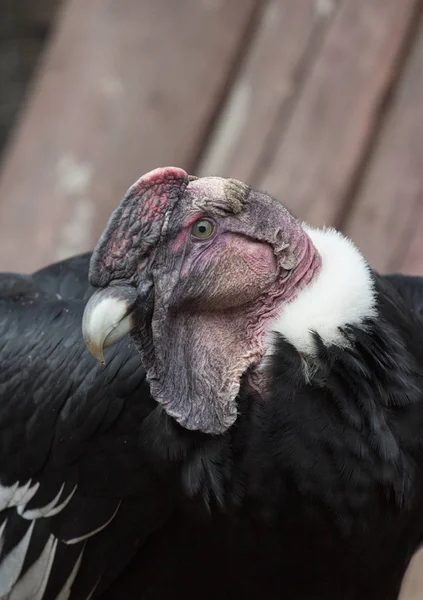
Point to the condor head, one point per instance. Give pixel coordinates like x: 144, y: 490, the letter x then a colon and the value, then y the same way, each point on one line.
x: 195, y: 269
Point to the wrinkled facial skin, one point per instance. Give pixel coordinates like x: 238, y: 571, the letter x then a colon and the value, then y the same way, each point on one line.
x: 228, y: 269
x: 212, y: 261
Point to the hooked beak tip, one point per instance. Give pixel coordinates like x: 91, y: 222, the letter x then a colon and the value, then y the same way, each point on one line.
x: 95, y: 349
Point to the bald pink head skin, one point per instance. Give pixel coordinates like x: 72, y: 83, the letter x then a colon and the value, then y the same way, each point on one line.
x: 207, y: 303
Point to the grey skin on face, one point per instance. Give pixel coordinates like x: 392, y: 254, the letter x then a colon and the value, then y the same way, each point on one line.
x: 213, y: 261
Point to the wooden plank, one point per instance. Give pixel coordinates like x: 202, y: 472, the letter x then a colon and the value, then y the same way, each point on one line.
x: 23, y: 30
x: 320, y: 151
x: 38, y: 14
x: 265, y: 89
x: 387, y: 217
x: 126, y: 86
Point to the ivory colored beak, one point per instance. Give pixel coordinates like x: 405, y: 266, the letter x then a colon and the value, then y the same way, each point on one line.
x: 108, y: 317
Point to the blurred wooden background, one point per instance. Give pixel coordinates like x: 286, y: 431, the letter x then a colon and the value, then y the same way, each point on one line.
x: 319, y: 102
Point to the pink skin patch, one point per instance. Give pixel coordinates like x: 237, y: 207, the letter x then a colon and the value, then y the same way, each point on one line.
x: 259, y: 257
x: 152, y: 209
x: 157, y: 176
x: 237, y: 268
x: 182, y: 235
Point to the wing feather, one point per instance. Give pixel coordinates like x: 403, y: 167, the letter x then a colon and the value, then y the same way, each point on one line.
x: 78, y: 492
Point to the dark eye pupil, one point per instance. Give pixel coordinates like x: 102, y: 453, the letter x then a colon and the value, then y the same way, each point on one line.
x: 202, y: 229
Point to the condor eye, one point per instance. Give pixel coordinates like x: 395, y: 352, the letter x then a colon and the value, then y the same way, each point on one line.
x: 202, y: 229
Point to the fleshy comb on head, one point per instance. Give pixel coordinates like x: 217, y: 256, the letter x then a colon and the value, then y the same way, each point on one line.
x: 135, y: 225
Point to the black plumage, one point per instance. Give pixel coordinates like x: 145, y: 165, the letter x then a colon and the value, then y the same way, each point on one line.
x: 282, y: 467
x: 300, y: 499
x: 69, y: 424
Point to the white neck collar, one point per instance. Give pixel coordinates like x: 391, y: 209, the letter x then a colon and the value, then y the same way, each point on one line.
x: 342, y: 293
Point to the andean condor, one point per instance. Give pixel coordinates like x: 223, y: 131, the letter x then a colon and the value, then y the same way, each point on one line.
x: 280, y: 453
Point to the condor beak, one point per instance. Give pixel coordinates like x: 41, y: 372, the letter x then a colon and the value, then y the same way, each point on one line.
x: 108, y: 317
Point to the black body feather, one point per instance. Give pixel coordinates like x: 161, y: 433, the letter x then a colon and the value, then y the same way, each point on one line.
x: 314, y: 493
